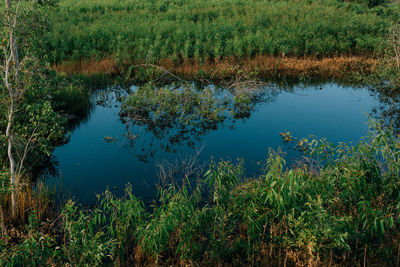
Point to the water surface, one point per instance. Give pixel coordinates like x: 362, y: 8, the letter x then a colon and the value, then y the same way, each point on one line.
x: 98, y: 155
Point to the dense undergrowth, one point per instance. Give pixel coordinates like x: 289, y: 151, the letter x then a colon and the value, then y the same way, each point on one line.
x: 152, y: 30
x: 341, y: 206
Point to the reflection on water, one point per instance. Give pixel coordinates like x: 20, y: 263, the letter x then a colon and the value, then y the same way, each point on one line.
x: 113, y: 147
x: 168, y: 118
x: 388, y: 107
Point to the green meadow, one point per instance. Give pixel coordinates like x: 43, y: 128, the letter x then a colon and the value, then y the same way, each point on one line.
x: 210, y: 29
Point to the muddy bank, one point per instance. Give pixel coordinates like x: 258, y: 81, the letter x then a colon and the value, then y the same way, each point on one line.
x: 340, y: 68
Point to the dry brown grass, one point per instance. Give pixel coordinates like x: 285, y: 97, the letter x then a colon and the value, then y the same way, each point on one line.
x: 35, y: 199
x: 261, y: 66
x: 104, y: 66
x: 29, y: 199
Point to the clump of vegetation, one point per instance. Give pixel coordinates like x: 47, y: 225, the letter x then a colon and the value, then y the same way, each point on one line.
x: 167, y: 106
x: 179, y: 114
x: 341, y: 209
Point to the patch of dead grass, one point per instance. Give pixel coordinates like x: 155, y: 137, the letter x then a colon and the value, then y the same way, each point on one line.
x: 261, y: 66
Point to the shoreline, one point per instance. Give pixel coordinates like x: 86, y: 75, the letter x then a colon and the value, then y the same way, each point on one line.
x: 260, y: 66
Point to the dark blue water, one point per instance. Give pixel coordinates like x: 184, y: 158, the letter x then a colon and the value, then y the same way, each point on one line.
x: 88, y: 164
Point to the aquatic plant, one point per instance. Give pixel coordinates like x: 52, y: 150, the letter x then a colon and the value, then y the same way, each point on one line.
x: 183, y: 113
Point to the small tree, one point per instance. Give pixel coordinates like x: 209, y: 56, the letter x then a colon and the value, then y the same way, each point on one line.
x: 13, y: 86
x: 31, y: 126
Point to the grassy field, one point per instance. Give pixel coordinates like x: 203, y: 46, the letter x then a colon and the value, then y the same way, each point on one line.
x: 148, y: 31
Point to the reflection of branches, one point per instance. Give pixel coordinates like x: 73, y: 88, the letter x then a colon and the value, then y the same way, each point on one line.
x: 174, y: 114
x: 243, y: 82
x: 177, y: 115
x: 389, y: 109
x: 81, y: 116
x: 187, y: 168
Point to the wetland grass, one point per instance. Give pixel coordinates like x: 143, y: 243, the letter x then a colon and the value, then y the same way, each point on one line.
x: 266, y: 67
x: 189, y: 38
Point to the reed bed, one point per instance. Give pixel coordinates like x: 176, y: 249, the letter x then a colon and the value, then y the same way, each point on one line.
x: 207, y: 30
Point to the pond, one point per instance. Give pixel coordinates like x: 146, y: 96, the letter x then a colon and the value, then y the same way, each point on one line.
x: 105, y: 152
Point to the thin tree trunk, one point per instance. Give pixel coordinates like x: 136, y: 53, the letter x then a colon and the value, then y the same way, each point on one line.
x: 13, y: 95
x: 11, y: 159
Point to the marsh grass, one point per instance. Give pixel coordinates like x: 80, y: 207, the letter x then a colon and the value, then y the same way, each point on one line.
x: 277, y: 68
x: 179, y: 30
x: 32, y: 199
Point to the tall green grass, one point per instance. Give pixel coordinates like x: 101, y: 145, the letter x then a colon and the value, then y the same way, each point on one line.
x: 340, y: 207
x: 152, y: 30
